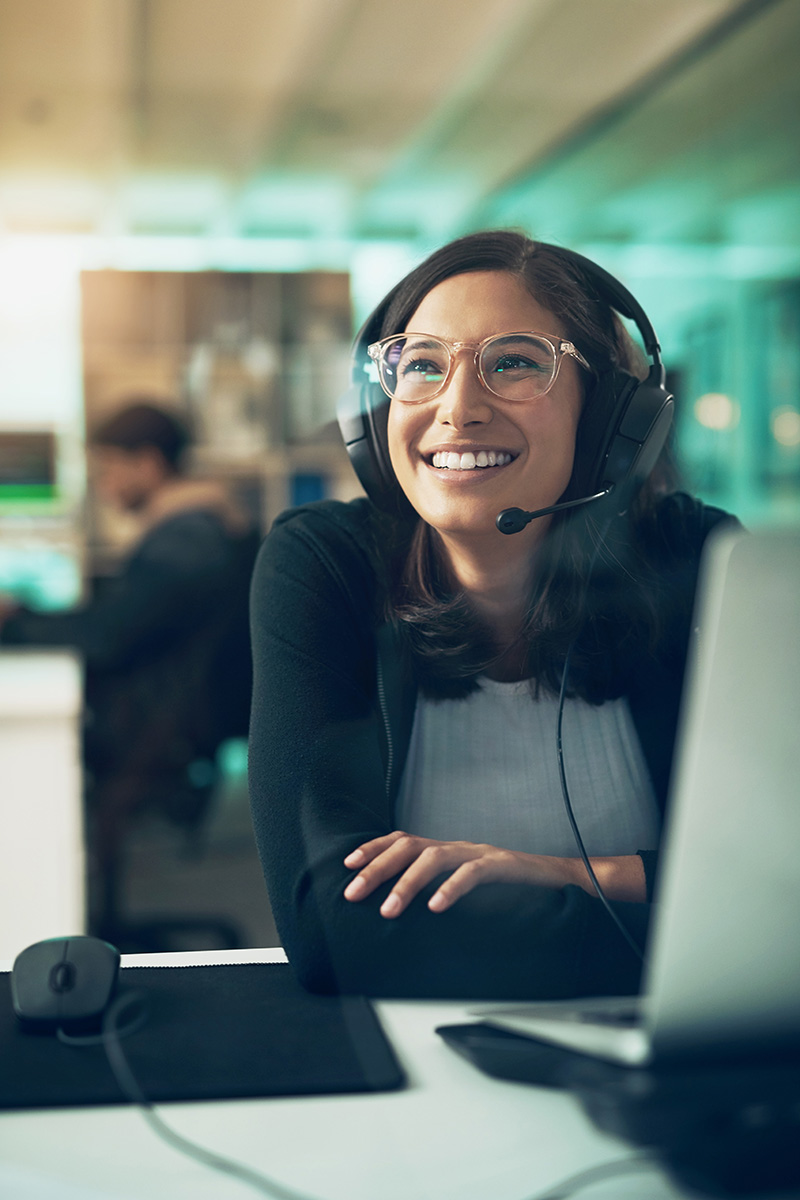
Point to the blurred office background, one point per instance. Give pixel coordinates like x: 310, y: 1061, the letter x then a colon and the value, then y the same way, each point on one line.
x: 203, y: 200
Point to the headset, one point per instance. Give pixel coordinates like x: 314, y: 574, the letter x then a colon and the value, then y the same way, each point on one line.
x: 627, y: 440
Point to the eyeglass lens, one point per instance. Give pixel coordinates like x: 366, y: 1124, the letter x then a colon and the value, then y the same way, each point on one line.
x: 515, y: 366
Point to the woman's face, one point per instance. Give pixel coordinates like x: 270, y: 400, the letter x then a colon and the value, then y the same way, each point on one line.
x: 536, y: 438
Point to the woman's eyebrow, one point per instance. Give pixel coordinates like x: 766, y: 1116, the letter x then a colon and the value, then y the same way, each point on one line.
x: 421, y: 341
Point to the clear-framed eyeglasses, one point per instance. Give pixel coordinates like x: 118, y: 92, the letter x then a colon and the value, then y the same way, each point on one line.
x: 415, y: 367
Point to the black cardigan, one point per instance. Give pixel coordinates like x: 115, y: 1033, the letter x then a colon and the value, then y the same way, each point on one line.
x: 333, y: 706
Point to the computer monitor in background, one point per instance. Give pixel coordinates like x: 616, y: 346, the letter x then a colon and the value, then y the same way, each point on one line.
x: 39, y: 550
x: 27, y: 468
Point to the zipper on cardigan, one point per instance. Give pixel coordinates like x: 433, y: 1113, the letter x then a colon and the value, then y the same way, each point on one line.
x: 387, y: 730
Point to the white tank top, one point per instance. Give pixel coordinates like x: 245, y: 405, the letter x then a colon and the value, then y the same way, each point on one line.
x: 485, y: 769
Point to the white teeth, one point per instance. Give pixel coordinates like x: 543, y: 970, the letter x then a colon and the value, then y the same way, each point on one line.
x: 469, y: 461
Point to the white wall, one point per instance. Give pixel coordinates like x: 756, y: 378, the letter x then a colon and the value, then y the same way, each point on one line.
x: 42, y: 889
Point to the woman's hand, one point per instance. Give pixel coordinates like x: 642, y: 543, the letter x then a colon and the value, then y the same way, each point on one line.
x: 418, y: 860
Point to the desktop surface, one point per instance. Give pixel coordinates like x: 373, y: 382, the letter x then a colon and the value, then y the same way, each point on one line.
x: 451, y: 1133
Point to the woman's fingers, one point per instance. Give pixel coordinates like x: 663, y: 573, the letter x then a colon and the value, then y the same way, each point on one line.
x: 469, y: 875
x: 368, y: 850
x: 398, y: 850
x: 432, y: 859
x: 468, y: 861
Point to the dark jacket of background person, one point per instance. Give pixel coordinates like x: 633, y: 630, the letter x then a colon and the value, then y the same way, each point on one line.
x: 165, y: 642
x: 329, y: 735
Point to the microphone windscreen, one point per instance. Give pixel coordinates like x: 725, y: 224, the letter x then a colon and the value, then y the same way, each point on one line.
x: 512, y: 520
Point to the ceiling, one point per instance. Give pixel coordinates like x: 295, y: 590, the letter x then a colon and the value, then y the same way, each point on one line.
x: 585, y: 120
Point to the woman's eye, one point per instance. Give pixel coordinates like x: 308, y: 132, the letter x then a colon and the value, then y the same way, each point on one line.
x: 507, y: 363
x: 423, y: 368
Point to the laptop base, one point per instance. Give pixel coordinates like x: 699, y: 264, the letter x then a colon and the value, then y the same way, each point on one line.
x: 721, y: 1129
x: 724, y: 1129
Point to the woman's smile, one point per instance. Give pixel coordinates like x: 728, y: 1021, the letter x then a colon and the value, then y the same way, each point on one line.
x: 458, y: 459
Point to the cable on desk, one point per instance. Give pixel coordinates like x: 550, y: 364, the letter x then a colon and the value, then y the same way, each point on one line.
x: 99, y: 1039
x: 610, y: 1170
x: 129, y: 1086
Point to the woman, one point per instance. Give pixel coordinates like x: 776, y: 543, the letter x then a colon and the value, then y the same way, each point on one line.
x: 404, y: 778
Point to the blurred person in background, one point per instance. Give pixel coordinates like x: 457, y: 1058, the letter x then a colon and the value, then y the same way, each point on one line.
x: 164, y: 642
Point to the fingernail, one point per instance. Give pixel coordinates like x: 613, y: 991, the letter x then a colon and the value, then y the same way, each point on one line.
x: 354, y: 858
x: 354, y: 888
x: 391, y: 906
x: 437, y: 902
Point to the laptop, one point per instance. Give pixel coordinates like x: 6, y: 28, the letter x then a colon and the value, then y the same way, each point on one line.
x: 722, y: 972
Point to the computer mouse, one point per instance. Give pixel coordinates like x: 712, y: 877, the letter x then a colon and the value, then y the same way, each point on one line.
x: 63, y: 980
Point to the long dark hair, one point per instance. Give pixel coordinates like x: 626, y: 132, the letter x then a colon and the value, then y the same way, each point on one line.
x: 448, y: 642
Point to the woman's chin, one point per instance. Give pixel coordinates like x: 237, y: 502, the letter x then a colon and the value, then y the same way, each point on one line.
x: 466, y: 516
x: 463, y: 517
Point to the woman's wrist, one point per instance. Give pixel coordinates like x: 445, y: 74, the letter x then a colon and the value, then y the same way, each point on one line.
x: 620, y: 876
x: 550, y: 870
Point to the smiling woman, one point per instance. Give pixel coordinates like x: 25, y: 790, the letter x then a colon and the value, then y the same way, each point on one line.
x: 409, y: 657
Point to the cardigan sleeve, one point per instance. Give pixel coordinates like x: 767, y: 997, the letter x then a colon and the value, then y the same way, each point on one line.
x: 318, y: 789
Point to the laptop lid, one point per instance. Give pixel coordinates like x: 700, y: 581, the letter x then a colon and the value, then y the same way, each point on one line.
x: 724, y: 964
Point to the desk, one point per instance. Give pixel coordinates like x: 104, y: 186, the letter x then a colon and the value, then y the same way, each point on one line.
x: 453, y: 1134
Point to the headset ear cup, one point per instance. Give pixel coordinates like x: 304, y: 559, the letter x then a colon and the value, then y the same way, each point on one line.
x: 654, y: 410
x: 634, y: 435
x: 386, y: 491
x: 363, y: 415
x: 598, y: 425
x: 376, y: 404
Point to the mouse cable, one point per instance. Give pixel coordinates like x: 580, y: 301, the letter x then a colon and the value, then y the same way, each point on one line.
x: 609, y: 1170
x: 130, y: 1088
x: 99, y: 1039
x: 600, y: 542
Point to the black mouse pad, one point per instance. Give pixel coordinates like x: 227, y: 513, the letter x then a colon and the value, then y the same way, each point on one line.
x: 212, y: 1032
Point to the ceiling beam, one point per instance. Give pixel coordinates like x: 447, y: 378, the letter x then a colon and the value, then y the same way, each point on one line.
x: 607, y: 117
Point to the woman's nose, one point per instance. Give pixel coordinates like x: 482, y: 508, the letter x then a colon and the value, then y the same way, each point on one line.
x: 464, y: 400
